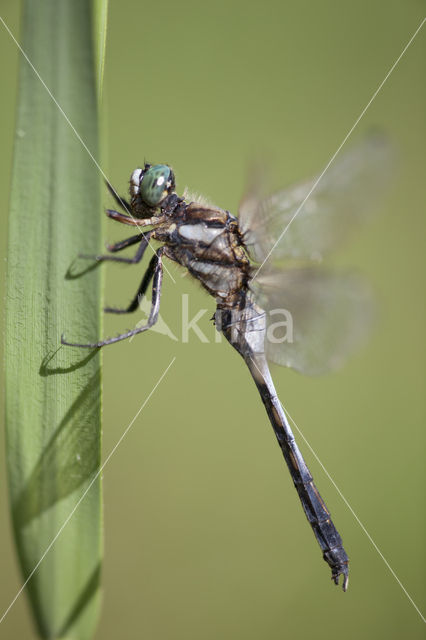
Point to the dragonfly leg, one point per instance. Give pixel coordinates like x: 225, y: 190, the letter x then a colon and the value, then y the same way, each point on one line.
x: 157, y: 278
x: 134, y: 221
x: 148, y: 275
x: 123, y: 244
x: 122, y: 217
x: 143, y: 238
x: 122, y: 202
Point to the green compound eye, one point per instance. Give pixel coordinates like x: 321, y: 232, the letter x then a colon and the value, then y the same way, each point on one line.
x: 156, y: 184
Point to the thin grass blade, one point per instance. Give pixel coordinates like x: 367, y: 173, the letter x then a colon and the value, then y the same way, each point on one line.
x: 53, y: 394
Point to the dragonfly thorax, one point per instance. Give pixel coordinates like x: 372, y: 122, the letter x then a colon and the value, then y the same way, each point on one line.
x: 206, y: 241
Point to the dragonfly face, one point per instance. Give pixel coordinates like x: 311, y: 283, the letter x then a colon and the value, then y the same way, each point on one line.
x: 150, y: 186
x: 328, y: 309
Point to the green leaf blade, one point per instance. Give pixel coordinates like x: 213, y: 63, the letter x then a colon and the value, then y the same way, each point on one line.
x: 53, y: 394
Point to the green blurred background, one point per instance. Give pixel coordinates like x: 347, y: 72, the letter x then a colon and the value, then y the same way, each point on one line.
x: 204, y: 534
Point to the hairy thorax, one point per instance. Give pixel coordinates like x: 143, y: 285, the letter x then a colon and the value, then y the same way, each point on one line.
x: 208, y: 243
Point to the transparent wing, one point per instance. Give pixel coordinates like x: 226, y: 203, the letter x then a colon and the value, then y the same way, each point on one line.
x: 347, y: 193
x: 315, y: 318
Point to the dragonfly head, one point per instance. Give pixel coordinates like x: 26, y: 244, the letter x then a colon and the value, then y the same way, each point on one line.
x: 151, y: 185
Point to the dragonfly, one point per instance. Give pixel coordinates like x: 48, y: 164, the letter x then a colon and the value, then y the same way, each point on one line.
x: 267, y: 258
